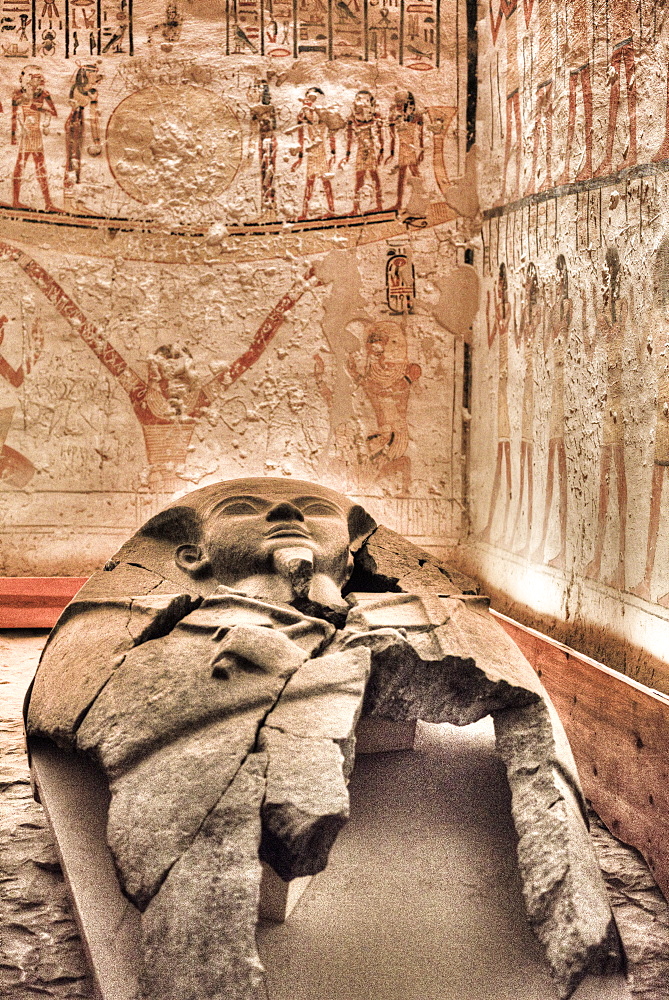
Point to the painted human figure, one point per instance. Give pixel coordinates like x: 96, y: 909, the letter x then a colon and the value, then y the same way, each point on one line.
x: 317, y: 146
x: 543, y: 102
x: 556, y: 337
x: 387, y: 379
x: 624, y: 22
x: 15, y: 468
x: 653, y: 349
x: 578, y: 56
x: 265, y: 115
x: 660, y: 12
x: 508, y: 12
x: 83, y: 94
x: 611, y: 323
x: 498, y: 330
x: 15, y: 376
x: 32, y: 110
x: 365, y: 128
x: 407, y: 138
x: 528, y: 331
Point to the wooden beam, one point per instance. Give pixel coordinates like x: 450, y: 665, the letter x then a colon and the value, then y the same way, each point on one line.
x: 619, y: 733
x: 35, y: 601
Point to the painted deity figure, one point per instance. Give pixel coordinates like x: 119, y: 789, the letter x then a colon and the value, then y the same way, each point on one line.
x: 498, y: 329
x: 406, y: 128
x: 578, y: 57
x: 387, y: 379
x: 660, y: 12
x: 216, y: 673
x: 317, y: 147
x: 83, y: 94
x: 654, y: 349
x: 543, y: 102
x: 32, y: 110
x: 611, y: 324
x: 624, y: 22
x: 15, y: 469
x: 365, y: 128
x: 528, y: 331
x: 508, y: 12
x: 556, y: 338
x: 265, y: 116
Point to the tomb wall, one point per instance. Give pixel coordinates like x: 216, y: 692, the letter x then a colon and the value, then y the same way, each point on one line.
x: 227, y: 248
x: 570, y: 380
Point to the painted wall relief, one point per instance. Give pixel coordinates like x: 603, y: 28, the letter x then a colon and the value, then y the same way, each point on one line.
x: 556, y: 336
x: 15, y: 469
x: 223, y: 233
x: 169, y: 400
x: 192, y: 120
x: 580, y: 73
x: 567, y: 439
x: 386, y: 376
x: 258, y: 373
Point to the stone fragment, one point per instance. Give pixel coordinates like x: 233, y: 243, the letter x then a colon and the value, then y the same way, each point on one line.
x: 267, y: 649
x: 165, y: 688
x: 323, y: 700
x: 158, y: 806
x: 101, y: 631
x: 398, y: 564
x: 309, y: 737
x: 400, y: 611
x: 306, y: 803
x: 641, y: 913
x: 459, y: 670
x: 199, y: 930
x: 564, y: 894
x: 433, y: 677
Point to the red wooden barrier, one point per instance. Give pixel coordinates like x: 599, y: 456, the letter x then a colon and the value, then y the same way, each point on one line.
x: 35, y: 601
x: 619, y: 732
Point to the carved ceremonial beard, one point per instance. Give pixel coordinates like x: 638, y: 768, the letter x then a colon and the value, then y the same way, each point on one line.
x: 292, y: 573
x: 295, y: 563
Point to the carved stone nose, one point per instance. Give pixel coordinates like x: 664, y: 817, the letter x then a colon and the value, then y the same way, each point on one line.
x: 284, y: 512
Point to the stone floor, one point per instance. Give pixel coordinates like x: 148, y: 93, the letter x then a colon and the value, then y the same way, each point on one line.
x: 421, y: 898
x: 40, y: 951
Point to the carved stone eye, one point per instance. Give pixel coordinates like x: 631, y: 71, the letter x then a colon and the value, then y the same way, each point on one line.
x: 319, y: 510
x: 240, y: 507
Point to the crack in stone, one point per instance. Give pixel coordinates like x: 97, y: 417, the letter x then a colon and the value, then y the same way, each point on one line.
x: 161, y: 880
x: 144, y: 636
x: 253, y: 750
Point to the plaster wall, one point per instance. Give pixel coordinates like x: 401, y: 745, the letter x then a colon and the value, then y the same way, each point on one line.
x: 570, y: 391
x: 210, y: 269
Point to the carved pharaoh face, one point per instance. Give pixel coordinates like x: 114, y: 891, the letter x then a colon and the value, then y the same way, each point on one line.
x: 244, y: 531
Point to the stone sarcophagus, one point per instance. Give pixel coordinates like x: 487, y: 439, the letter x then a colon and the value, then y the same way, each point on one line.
x: 216, y: 670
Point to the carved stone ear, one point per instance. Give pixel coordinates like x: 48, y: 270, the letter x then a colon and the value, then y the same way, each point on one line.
x: 192, y: 560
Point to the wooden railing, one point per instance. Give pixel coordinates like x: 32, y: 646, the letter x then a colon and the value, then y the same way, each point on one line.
x: 619, y: 733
